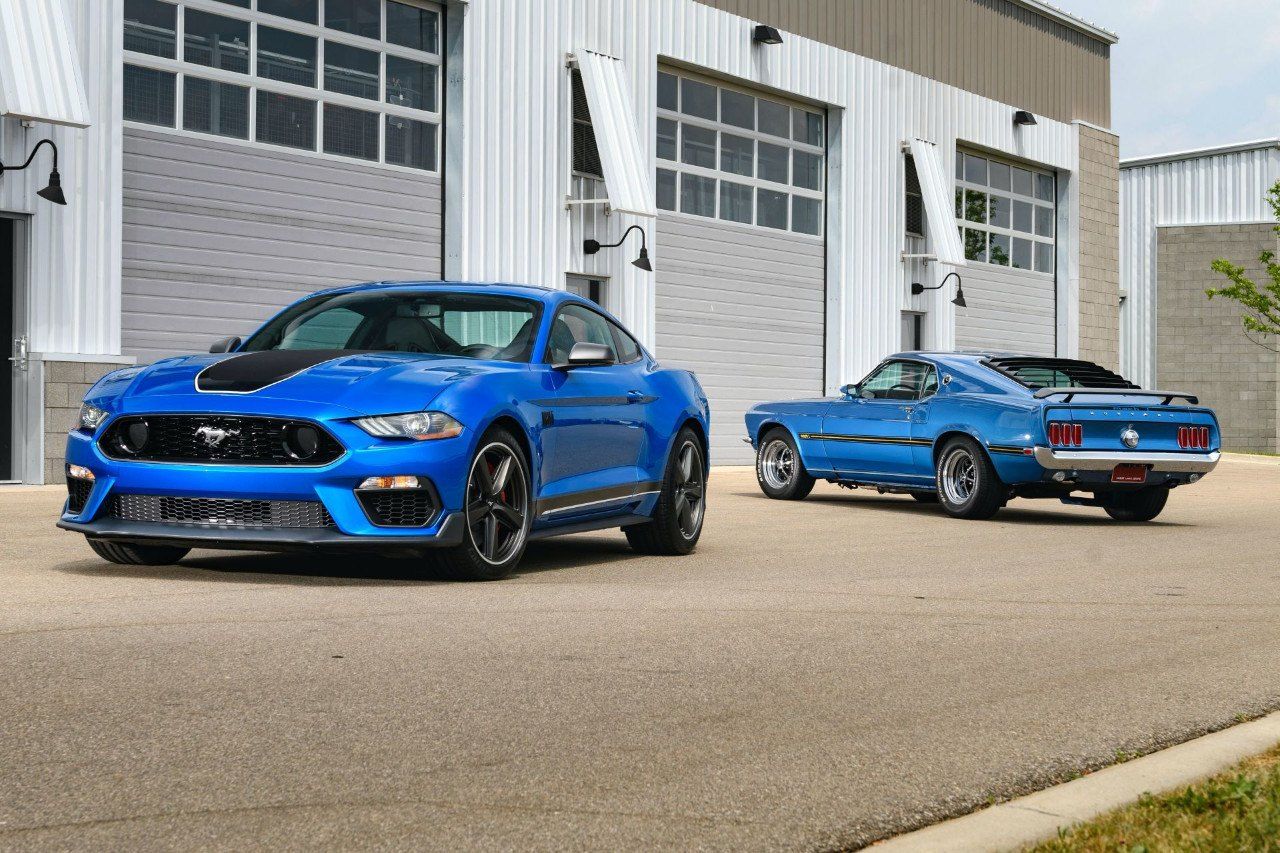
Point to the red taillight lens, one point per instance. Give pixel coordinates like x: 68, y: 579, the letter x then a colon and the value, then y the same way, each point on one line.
x: 1204, y: 437
x: 1195, y: 438
x: 1184, y: 440
x: 1055, y: 433
x: 1066, y: 434
x: 1077, y: 434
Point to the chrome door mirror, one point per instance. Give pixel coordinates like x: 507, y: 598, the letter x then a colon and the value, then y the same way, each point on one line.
x: 585, y: 354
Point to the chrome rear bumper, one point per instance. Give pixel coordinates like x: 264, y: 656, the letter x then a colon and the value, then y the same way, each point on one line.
x: 1093, y: 460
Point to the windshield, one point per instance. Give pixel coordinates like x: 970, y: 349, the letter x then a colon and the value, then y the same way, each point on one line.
x: 468, y: 325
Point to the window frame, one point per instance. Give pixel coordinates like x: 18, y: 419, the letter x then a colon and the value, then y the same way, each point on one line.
x: 615, y: 329
x: 963, y: 186
x: 929, y: 366
x: 179, y: 69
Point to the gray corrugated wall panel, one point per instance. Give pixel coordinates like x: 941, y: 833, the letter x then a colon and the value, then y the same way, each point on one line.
x: 218, y: 236
x: 744, y: 309
x: 1007, y: 310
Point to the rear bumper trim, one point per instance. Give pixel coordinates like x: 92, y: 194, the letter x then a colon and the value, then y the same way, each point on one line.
x: 1091, y: 460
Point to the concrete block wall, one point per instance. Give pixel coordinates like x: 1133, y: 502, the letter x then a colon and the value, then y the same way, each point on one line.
x: 65, y: 384
x: 1200, y: 345
x: 1099, y: 183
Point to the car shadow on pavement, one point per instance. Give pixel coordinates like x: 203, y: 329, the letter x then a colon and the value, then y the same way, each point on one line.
x: 348, y: 569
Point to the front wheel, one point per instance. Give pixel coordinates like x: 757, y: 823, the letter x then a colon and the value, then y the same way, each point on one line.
x: 779, y: 468
x: 1142, y: 505
x: 968, y: 486
x: 682, y: 504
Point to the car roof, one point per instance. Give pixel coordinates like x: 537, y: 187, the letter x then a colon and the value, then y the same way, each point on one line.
x: 530, y: 291
x: 957, y: 357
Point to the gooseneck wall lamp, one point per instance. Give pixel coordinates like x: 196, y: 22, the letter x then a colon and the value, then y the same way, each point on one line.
x: 53, y: 192
x: 917, y: 288
x: 590, y: 247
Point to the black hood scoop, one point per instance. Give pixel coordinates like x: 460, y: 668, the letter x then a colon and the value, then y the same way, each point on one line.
x: 253, y: 371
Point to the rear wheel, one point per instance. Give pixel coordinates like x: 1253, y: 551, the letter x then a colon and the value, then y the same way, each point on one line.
x: 130, y: 554
x: 1142, y: 505
x: 498, y: 512
x: 968, y: 486
x: 779, y: 469
x: 682, y: 504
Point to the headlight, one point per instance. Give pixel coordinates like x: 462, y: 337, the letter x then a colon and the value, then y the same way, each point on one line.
x: 420, y: 426
x: 91, y: 417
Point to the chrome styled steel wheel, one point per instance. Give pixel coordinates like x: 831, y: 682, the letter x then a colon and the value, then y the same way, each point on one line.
x: 959, y: 476
x: 497, y: 503
x: 777, y: 464
x: 689, y: 490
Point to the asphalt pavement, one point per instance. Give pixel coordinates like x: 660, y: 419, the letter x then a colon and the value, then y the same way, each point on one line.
x: 816, y: 675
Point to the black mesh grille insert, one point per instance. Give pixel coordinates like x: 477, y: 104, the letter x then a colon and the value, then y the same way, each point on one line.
x: 398, y: 507
x: 78, y: 494
x: 219, y: 512
x: 219, y: 439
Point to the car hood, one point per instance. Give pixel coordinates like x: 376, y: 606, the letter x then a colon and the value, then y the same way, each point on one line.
x: 359, y: 382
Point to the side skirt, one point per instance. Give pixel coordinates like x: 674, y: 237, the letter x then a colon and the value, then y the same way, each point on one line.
x: 587, y: 526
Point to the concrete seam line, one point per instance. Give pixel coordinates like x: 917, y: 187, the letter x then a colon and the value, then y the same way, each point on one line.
x: 1035, y: 817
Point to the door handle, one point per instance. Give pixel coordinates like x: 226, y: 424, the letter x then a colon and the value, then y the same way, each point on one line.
x: 906, y: 410
x: 20, y: 356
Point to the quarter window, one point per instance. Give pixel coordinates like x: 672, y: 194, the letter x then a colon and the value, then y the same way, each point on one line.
x: 359, y: 79
x: 575, y: 325
x: 728, y: 154
x: 1007, y: 212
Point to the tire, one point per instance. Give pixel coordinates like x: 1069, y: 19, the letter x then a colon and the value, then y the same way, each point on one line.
x: 779, y: 469
x: 677, y: 520
x: 130, y: 554
x: 1142, y: 505
x: 498, y: 508
x: 968, y: 485
x: 925, y: 497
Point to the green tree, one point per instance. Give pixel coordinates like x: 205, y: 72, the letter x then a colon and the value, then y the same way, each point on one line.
x: 1261, y: 304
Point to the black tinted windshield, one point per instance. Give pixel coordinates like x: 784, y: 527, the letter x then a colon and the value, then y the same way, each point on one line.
x: 470, y: 325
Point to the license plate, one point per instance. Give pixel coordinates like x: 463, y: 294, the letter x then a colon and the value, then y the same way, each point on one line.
x: 1129, y: 474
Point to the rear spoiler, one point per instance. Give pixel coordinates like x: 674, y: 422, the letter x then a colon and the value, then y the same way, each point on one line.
x: 1169, y: 396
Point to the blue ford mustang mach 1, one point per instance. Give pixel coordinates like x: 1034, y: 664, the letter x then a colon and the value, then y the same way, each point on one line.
x: 971, y: 431
x: 451, y: 420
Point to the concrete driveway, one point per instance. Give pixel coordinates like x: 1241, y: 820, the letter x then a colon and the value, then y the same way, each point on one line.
x: 816, y: 675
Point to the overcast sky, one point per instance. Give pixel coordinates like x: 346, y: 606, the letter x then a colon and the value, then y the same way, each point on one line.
x: 1190, y: 73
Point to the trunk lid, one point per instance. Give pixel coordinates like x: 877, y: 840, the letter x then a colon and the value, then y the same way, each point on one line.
x: 1104, y: 424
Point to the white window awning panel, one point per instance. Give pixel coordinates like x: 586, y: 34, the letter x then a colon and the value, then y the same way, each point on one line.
x: 939, y: 203
x: 40, y: 76
x: 628, y: 183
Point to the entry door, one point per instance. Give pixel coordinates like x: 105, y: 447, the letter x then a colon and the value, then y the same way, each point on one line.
x: 868, y: 435
x: 8, y: 299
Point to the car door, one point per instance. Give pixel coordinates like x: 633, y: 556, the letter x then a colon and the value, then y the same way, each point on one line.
x: 593, y: 425
x: 867, y: 433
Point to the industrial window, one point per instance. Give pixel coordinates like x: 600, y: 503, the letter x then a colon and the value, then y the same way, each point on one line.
x: 1007, y: 212
x: 914, y: 200
x: 357, y: 79
x: 726, y: 153
x: 586, y: 157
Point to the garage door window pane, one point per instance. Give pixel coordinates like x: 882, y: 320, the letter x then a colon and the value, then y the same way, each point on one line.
x: 737, y: 109
x: 1044, y: 187
x: 1022, y: 181
x: 737, y: 154
x: 1021, y: 255
x: 806, y: 170
x: 807, y: 127
x: 774, y: 118
x: 218, y: 108
x: 975, y: 245
x: 1044, y: 257
x: 697, y: 195
x: 999, y: 249
x: 697, y: 99
x: 216, y: 41
x: 351, y: 70
x: 286, y: 56
x: 411, y: 84
x: 286, y: 120
x: 350, y: 132
x: 1044, y: 221
x: 148, y: 95
x: 806, y: 215
x: 698, y: 146
x: 1000, y: 176
x: 736, y: 202
x: 1022, y: 216
x: 298, y: 10
x: 409, y: 26
x: 774, y: 162
x: 151, y: 27
x: 1000, y: 216
x: 666, y: 189
x: 975, y: 206
x: 771, y: 208
x: 411, y: 143
x: 358, y: 17
x: 666, y: 148
x: 668, y: 92
x: 975, y: 169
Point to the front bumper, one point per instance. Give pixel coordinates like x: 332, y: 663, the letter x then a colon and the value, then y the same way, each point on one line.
x: 1093, y: 460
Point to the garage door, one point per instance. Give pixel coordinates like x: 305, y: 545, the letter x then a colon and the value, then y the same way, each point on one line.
x: 1008, y: 216
x: 740, y: 272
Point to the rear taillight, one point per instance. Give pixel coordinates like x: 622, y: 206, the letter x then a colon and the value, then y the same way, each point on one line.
x: 1193, y: 438
x: 1066, y: 434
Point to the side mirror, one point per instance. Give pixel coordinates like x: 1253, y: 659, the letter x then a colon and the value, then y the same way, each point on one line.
x: 586, y: 354
x: 225, y: 345
x: 850, y: 390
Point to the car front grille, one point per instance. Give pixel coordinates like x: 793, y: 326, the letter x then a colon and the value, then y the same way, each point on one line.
x: 78, y: 494
x: 219, y: 512
x: 398, y: 507
x: 219, y: 440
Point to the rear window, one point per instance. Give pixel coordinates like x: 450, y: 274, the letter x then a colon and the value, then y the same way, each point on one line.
x: 1057, y: 373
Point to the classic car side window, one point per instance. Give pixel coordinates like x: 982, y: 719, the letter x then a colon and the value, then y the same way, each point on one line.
x: 930, y: 385
x: 576, y: 324
x: 898, y: 380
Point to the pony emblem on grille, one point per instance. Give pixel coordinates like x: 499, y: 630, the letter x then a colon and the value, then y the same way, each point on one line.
x: 214, y: 436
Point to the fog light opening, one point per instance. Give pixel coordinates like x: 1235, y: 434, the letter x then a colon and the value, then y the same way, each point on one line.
x: 79, y: 472
x: 398, y: 481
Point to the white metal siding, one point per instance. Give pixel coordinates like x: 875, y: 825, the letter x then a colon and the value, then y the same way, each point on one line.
x: 40, y: 68
x: 1007, y: 310
x: 1209, y: 189
x: 218, y: 236
x: 743, y: 308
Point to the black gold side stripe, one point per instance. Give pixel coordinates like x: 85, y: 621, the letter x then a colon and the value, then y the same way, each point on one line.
x: 1009, y: 449
x: 591, y: 497
x: 866, y: 439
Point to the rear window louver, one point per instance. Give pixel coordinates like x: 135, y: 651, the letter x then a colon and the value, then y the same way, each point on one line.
x: 1056, y: 373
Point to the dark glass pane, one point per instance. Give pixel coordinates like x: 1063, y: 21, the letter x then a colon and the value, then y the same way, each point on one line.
x: 737, y: 109
x: 1044, y: 221
x: 774, y: 118
x: 999, y: 210
x: 358, y: 17
x: 216, y: 41
x: 351, y: 70
x: 1044, y: 187
x: 409, y: 26
x: 697, y: 99
x: 807, y: 127
x: 243, y: 4
x: 697, y: 195
x: 1022, y: 216
x: 806, y: 215
x: 286, y: 56
x: 736, y: 202
x: 771, y: 208
x: 666, y: 142
x: 148, y: 95
x: 975, y: 245
x: 217, y: 108
x: 773, y: 162
x: 698, y: 146
x: 668, y: 92
x: 151, y: 27
x: 1000, y: 176
x: 975, y: 169
x: 806, y: 170
x: 1022, y: 181
x: 286, y: 120
x: 1021, y: 254
x: 350, y: 132
x: 411, y: 143
x: 975, y: 206
x: 298, y: 10
x: 737, y: 154
x: 666, y: 189
x: 411, y: 83
x: 1000, y: 249
x: 1044, y: 257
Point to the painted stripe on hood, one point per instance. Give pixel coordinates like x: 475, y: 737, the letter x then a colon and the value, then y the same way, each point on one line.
x: 253, y: 371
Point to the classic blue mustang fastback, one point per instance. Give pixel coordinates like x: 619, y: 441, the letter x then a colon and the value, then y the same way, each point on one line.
x: 972, y: 430
x: 451, y: 420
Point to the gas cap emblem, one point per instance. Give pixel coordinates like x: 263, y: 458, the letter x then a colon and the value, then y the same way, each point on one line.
x: 1129, y: 437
